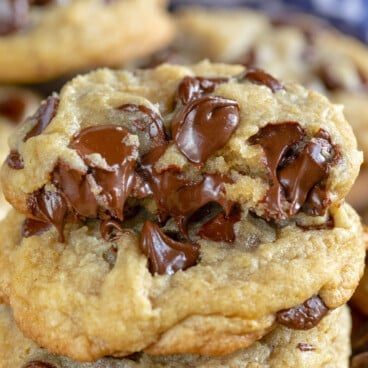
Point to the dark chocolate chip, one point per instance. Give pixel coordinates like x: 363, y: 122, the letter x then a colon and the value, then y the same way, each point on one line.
x: 258, y: 76
x: 204, y: 125
x: 302, y: 346
x: 165, y: 255
x: 43, y: 117
x: 111, y: 230
x: 329, y: 79
x: 303, y: 316
x: 32, y: 227
x: 221, y: 227
x: 49, y: 207
x: 14, y: 160
x: 359, y: 361
x: 13, y: 108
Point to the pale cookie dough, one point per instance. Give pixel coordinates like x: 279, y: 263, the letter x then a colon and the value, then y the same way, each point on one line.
x: 15, y: 105
x: 139, y: 240
x: 325, y: 346
x: 48, y: 39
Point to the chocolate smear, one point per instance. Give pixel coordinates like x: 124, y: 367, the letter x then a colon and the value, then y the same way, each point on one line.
x: 165, y: 255
x: 204, y: 125
x: 303, y: 316
x: 43, y: 116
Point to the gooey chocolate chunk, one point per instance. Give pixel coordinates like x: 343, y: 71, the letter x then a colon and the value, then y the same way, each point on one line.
x: 258, y: 76
x: 303, y: 316
x: 14, y: 160
x: 359, y: 360
x: 43, y: 117
x: 297, y: 168
x: 204, y: 125
x: 32, y: 227
x: 13, y: 108
x: 110, y: 177
x: 165, y: 255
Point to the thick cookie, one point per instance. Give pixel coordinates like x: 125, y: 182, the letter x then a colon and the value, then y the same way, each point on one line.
x: 182, y: 222
x: 15, y: 105
x: 298, y: 48
x: 57, y: 37
x: 326, y: 345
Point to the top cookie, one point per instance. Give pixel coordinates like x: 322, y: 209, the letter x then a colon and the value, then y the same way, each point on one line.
x: 294, y: 47
x: 40, y: 40
x: 181, y: 199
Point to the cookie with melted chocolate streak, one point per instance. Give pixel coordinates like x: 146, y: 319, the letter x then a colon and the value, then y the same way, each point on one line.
x: 127, y: 219
x: 46, y: 33
x: 323, y: 346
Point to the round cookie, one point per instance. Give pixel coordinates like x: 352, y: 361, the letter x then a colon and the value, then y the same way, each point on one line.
x: 326, y: 345
x: 15, y: 105
x: 166, y: 246
x: 58, y: 37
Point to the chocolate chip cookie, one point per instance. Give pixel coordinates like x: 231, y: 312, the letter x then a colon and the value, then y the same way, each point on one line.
x: 179, y: 210
x: 40, y: 40
x: 15, y: 105
x: 293, y: 47
x: 326, y: 345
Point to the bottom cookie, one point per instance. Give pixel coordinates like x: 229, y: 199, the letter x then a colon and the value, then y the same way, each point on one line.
x: 327, y: 346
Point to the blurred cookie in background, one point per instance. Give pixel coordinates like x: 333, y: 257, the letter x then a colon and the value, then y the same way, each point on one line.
x: 42, y: 40
x: 15, y: 105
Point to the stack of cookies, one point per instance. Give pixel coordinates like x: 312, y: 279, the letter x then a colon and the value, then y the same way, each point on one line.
x: 178, y: 216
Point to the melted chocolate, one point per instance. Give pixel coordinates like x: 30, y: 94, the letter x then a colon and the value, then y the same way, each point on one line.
x: 13, y: 108
x: 192, y: 88
x: 297, y: 168
x: 204, y: 125
x: 302, y: 346
x: 303, y: 316
x: 43, y: 117
x: 32, y: 227
x: 165, y: 255
x: 221, y: 227
x: 49, y: 207
x: 111, y: 230
x: 39, y: 364
x: 14, y: 160
x: 359, y: 361
x: 258, y: 76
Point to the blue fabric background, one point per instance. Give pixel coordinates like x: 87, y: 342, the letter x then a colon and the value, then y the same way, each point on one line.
x: 350, y: 16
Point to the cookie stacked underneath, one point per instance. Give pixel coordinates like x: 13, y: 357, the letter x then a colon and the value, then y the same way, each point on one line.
x: 180, y: 217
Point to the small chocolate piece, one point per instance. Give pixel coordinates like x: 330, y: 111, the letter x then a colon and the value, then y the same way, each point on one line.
x: 204, y: 125
x: 110, y: 255
x: 192, y: 88
x: 303, y: 316
x: 43, y: 116
x: 165, y: 255
x: 359, y: 361
x: 258, y: 76
x: 221, y: 227
x: 49, y: 207
x: 14, y: 160
x: 39, y: 364
x: 330, y: 81
x: 13, y: 108
x: 111, y: 230
x: 302, y: 346
x: 13, y: 16
x: 32, y: 227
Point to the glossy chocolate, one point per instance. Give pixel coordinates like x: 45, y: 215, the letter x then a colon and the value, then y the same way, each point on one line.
x: 43, y: 117
x: 14, y: 160
x: 303, y: 316
x: 359, y: 360
x: 32, y: 227
x: 204, y: 125
x: 221, y: 227
x: 49, y: 207
x: 111, y: 230
x: 258, y: 76
x: 297, y: 168
x: 165, y: 255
